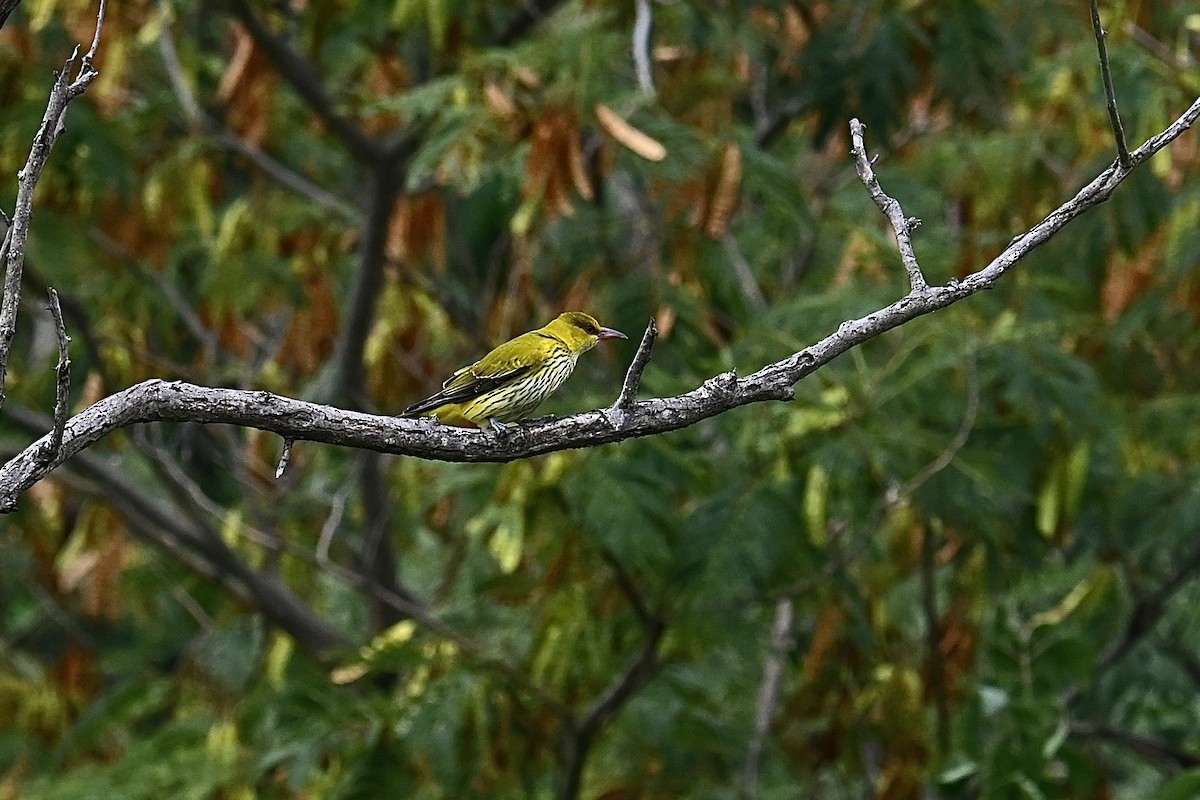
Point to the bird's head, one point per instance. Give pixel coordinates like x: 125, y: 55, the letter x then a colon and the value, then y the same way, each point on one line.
x: 580, y: 331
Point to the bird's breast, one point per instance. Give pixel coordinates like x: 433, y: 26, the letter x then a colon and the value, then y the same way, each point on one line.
x: 517, y: 400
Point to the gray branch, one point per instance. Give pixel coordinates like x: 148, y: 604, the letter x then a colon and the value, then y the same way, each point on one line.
x: 768, y: 694
x: 618, y: 412
x: 1110, y: 94
x: 157, y: 400
x: 643, y: 24
x: 902, y: 225
x: 62, y: 92
x: 62, y: 377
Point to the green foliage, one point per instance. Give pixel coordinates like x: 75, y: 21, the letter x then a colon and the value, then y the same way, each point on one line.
x: 983, y: 522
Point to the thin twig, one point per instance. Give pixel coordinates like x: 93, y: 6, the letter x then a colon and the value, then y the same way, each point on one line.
x: 1152, y: 748
x: 90, y: 55
x: 578, y: 738
x: 963, y: 433
x: 337, y: 510
x: 894, y: 495
x: 1110, y: 94
x: 62, y: 375
x: 169, y: 291
x: 284, y: 458
x: 643, y: 24
x: 618, y: 412
x: 1148, y: 610
x: 902, y: 225
x: 628, y: 588
x: 768, y: 694
x: 745, y: 275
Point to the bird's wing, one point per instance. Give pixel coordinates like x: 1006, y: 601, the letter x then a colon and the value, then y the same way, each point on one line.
x: 505, y: 364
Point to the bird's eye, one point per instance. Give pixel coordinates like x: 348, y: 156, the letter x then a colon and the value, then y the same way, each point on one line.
x: 590, y: 328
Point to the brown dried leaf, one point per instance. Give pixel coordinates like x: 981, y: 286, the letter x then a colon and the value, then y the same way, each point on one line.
x: 637, y: 141
x: 527, y: 77
x: 235, y: 70
x: 248, y: 88
x: 725, y: 193
x: 664, y: 320
x: 499, y: 101
x: 578, y: 166
x: 418, y: 229
x: 1127, y: 277
x: 314, y: 325
x: 825, y: 636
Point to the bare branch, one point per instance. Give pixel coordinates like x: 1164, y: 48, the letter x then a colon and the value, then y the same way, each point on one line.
x: 90, y: 55
x: 285, y: 457
x: 768, y: 694
x: 628, y: 588
x: 157, y: 400
x: 349, y: 378
x: 62, y: 92
x: 62, y: 379
x: 902, y: 225
x: 578, y: 738
x: 192, y: 543
x: 745, y: 276
x: 6, y: 8
x: 1160, y: 752
x: 618, y: 412
x: 1110, y: 94
x: 643, y: 24
x: 943, y: 459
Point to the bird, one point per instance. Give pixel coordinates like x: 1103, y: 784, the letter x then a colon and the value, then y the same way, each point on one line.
x: 512, y: 380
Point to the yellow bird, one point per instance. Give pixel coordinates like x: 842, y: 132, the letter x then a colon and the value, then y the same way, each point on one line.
x: 510, y: 382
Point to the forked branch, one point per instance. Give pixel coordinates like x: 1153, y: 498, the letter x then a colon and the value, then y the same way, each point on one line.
x: 156, y: 400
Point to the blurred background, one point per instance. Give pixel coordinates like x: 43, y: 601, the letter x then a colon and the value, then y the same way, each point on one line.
x: 962, y: 564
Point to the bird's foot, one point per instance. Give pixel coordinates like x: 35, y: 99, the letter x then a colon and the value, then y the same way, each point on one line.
x: 498, y: 427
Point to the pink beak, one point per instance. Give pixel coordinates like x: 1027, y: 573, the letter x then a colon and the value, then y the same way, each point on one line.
x: 609, y: 333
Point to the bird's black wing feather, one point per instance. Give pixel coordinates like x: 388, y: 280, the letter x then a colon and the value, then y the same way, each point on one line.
x: 461, y: 391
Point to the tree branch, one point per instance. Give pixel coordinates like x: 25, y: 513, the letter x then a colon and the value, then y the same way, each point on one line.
x: 62, y: 382
x: 6, y: 8
x: 202, y: 549
x: 902, y: 225
x: 628, y: 588
x: 579, y: 738
x: 618, y: 411
x: 768, y: 694
x: 349, y: 378
x: 1152, y: 748
x: 1110, y: 94
x: 62, y: 92
x: 643, y: 24
x: 157, y: 400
